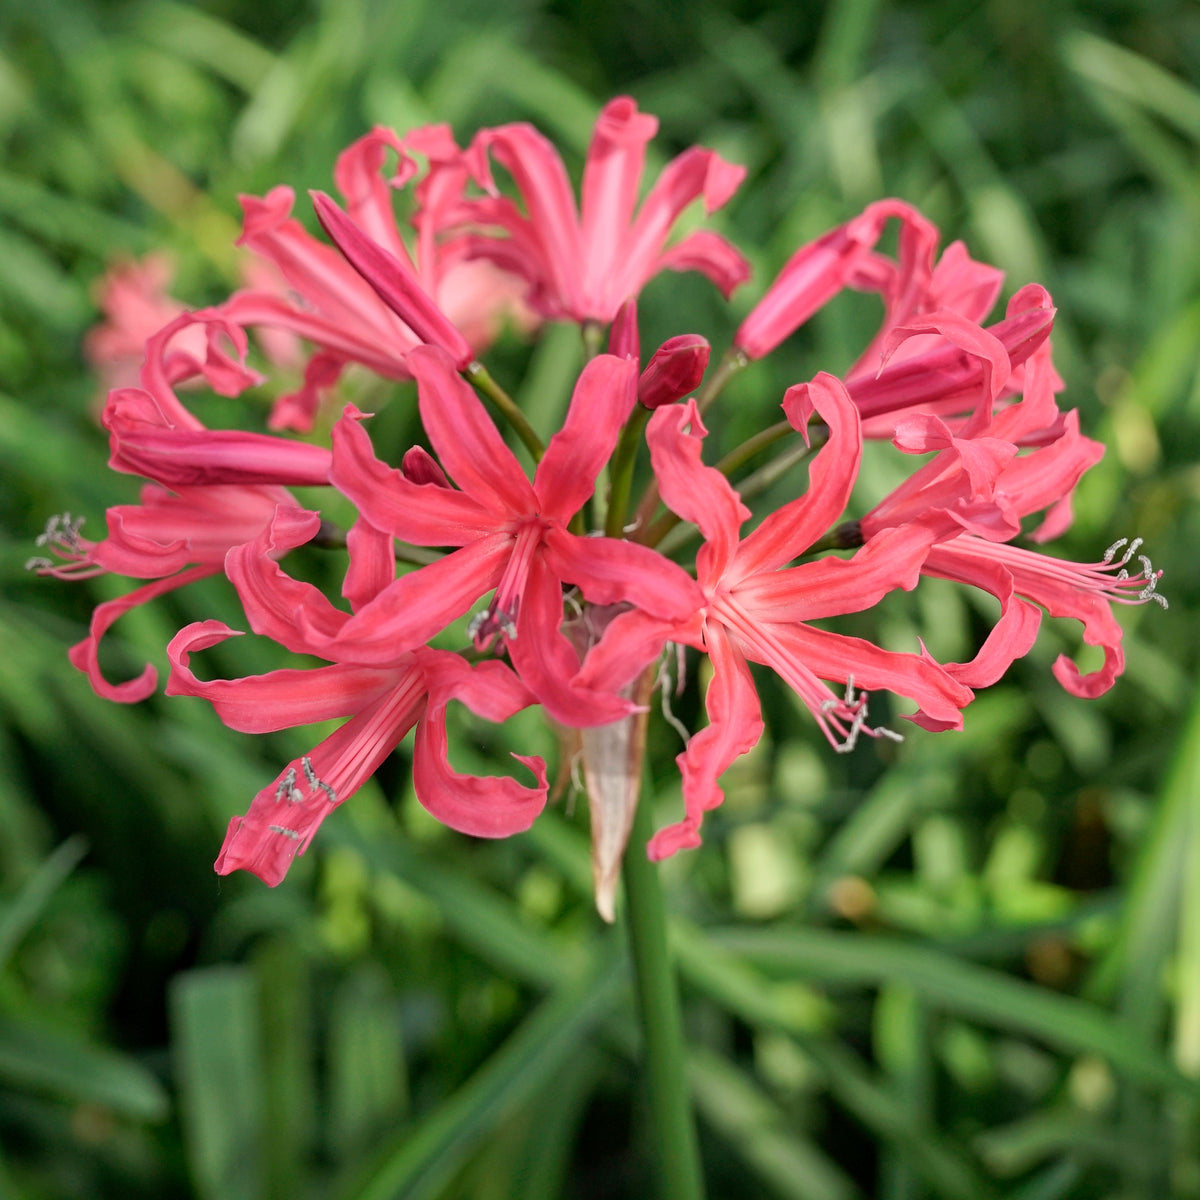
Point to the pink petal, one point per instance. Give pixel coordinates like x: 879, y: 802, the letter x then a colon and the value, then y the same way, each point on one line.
x: 392, y: 280
x: 630, y: 643
x: 623, y: 340
x: 330, y: 287
x: 734, y: 727
x: 297, y: 410
x: 372, y: 565
x: 710, y: 254
x: 425, y: 514
x: 419, y: 605
x: 609, y: 571
x: 549, y: 202
x: 603, y: 398
x: 693, y: 174
x: 791, y: 529
x: 693, y: 491
x: 290, y: 612
x: 482, y: 807
x: 611, y: 176
x: 176, y: 458
x: 830, y: 586
x: 284, y: 816
x: 812, y: 277
x: 368, y: 195
x: 940, y: 695
x: 277, y: 700
x: 548, y: 663
x: 467, y: 442
x: 84, y: 655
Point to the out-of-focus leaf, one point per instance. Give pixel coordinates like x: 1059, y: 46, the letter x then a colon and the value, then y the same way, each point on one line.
x: 218, y: 1057
x: 427, y: 1157
x: 22, y: 912
x: 66, y: 1069
x: 999, y: 1000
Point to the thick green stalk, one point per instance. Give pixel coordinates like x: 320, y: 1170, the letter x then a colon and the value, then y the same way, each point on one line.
x: 680, y: 1175
x: 620, y: 476
x: 477, y: 373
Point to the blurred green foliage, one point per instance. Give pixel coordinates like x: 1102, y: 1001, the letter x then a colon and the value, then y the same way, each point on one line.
x: 966, y: 967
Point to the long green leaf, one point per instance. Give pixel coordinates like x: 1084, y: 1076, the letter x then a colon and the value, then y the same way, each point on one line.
x: 970, y: 991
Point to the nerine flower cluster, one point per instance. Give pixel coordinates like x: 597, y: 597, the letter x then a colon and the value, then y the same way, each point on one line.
x: 570, y: 601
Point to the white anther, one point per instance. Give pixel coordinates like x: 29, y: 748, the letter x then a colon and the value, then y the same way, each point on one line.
x: 285, y: 832
x: 330, y: 794
x: 309, y: 773
x: 38, y: 564
x: 286, y: 788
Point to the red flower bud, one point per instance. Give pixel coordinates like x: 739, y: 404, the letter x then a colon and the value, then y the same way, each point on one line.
x: 674, y: 371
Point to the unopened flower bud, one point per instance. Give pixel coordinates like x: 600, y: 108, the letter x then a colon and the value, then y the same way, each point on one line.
x: 674, y: 371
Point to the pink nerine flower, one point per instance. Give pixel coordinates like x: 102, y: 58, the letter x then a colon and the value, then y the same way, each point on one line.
x: 374, y: 301
x: 511, y: 534
x: 584, y: 264
x: 758, y: 609
x: 383, y: 704
x: 213, y: 489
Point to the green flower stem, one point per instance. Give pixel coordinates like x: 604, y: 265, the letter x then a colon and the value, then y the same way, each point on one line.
x: 477, y: 373
x: 680, y: 1176
x: 731, y: 363
x: 593, y: 339
x: 620, y: 472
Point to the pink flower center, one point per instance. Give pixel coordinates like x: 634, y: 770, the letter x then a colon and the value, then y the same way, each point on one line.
x: 501, y: 615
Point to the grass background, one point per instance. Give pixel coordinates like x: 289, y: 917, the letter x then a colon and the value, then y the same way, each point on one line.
x: 966, y: 967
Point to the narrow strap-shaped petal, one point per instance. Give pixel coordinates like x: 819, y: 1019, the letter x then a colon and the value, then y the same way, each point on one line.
x: 541, y: 179
x: 284, y: 817
x: 611, y: 571
x: 277, y: 700
x: 181, y: 458
x: 630, y: 642
x: 1063, y: 589
x: 419, y: 605
x: 734, y: 728
x: 981, y: 458
x: 948, y: 376
x: 548, y: 663
x: 356, y: 337
x: 834, y: 656
x: 604, y: 396
x: 315, y: 270
x: 696, y: 173
x: 488, y: 807
x: 1012, y: 636
x: 1049, y: 474
x: 84, y: 655
x: 297, y: 410
x: 368, y: 196
x: 372, y: 565
x: 467, y: 442
x: 295, y: 614
x: 612, y: 174
x: 713, y: 256
x: 830, y: 586
x: 790, y: 530
x: 392, y: 280
x: 807, y: 281
x: 693, y: 491
x: 425, y: 514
